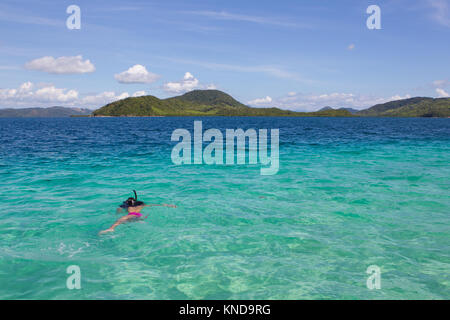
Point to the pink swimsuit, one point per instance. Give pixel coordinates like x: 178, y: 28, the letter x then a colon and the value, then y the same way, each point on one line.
x: 137, y: 214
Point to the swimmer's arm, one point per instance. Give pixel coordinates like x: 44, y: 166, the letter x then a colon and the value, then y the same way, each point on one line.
x: 161, y: 205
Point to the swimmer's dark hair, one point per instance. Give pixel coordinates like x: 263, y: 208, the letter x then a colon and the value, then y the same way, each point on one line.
x: 132, y: 202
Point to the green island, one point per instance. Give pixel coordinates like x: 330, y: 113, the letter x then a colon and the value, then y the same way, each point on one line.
x: 218, y: 103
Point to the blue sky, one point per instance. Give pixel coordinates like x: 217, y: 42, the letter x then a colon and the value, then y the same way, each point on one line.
x: 293, y: 54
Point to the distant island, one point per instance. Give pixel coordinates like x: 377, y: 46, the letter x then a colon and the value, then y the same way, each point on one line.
x: 52, y: 112
x: 218, y: 103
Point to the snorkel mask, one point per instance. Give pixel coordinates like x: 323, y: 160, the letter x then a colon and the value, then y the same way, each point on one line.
x: 132, y: 202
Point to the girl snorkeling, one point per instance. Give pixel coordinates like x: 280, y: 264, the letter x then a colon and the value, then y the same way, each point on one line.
x: 134, y: 207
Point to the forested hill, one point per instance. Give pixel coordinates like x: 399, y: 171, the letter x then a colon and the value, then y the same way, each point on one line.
x: 413, y: 107
x: 198, y: 103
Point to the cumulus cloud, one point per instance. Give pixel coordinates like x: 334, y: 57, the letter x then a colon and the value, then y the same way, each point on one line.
x: 188, y: 83
x: 29, y: 94
x: 442, y: 93
x: 53, y: 94
x: 260, y: 102
x: 136, y: 74
x: 61, y: 65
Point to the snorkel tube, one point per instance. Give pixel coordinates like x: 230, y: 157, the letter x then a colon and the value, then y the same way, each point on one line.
x: 132, y: 202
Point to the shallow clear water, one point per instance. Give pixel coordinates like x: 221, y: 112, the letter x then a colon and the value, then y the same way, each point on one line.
x: 350, y: 193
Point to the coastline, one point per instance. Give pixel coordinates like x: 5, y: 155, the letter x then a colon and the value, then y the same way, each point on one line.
x: 237, y: 116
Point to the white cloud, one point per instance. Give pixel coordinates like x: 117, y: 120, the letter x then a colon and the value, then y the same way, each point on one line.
x: 136, y: 74
x: 210, y: 86
x: 398, y: 97
x: 53, y: 94
x: 188, y: 83
x: 260, y: 102
x: 139, y: 93
x: 61, y: 65
x: 351, y: 47
x: 26, y: 86
x: 98, y: 100
x: 442, y: 93
x: 29, y: 94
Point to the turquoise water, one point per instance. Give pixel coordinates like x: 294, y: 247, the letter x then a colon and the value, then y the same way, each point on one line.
x: 350, y: 193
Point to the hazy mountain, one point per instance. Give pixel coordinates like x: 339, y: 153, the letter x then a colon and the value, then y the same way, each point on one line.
x: 351, y: 110
x: 52, y: 112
